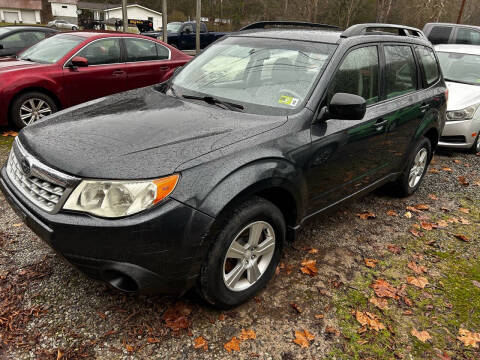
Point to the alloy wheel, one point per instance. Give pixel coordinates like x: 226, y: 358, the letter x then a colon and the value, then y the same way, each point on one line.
x: 418, y: 167
x: 34, y: 109
x: 248, y: 256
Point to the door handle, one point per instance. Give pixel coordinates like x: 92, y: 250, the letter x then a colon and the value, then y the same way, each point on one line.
x: 380, y: 124
x: 118, y: 73
x: 424, y: 107
x: 164, y: 67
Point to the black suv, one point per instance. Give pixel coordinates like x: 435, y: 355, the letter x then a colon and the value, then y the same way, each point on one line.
x: 201, y: 180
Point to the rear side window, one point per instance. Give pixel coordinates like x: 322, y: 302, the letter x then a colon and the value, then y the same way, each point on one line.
x: 467, y: 36
x: 440, y: 34
x: 358, y: 75
x: 400, y: 70
x: 162, y: 52
x: 140, y: 50
x: 429, y: 64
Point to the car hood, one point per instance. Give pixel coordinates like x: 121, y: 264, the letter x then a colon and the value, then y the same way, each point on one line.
x: 461, y: 96
x: 9, y: 64
x: 137, y: 134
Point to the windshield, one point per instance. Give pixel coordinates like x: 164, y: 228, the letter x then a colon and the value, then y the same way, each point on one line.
x: 463, y: 68
x: 173, y: 27
x: 52, y: 49
x: 262, y: 75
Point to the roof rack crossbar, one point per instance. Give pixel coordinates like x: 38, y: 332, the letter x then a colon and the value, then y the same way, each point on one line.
x: 362, y: 29
x: 264, y: 24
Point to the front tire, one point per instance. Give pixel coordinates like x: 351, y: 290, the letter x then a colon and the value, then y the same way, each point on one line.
x: 411, y: 178
x: 74, y: 28
x: 475, y: 149
x: 31, y: 107
x: 244, y: 255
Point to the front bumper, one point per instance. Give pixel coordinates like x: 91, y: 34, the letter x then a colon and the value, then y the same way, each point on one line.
x: 158, y: 251
x: 458, y: 134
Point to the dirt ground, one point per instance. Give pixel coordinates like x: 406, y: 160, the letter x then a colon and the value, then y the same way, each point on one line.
x: 385, y: 278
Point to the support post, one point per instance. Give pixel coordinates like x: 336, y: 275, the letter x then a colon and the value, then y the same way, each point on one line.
x: 124, y: 15
x: 197, y: 33
x: 164, y: 21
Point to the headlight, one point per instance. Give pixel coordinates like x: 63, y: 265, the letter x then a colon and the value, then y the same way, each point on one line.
x: 112, y: 198
x: 463, y: 114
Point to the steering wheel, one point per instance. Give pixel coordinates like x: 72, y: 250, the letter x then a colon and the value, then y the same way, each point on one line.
x: 288, y: 93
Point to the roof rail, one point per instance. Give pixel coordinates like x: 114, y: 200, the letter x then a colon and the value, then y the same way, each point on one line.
x: 362, y: 29
x: 264, y: 24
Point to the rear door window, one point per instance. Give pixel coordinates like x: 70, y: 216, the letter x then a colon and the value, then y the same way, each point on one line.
x: 400, y: 70
x: 358, y: 75
x: 140, y: 50
x: 429, y: 64
x: 467, y: 36
x: 440, y: 34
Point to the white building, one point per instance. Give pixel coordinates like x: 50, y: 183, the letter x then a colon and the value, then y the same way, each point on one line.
x: 64, y: 10
x: 136, y: 12
x: 20, y: 11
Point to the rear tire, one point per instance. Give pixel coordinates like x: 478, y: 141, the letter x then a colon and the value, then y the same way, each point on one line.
x: 411, y: 178
x: 31, y: 107
x: 244, y: 255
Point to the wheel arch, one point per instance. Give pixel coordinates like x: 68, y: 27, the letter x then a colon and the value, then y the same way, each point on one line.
x: 32, y: 89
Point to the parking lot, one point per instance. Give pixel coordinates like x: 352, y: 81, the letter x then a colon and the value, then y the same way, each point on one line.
x: 50, y: 311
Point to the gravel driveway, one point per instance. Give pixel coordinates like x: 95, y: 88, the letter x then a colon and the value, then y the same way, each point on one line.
x: 49, y: 310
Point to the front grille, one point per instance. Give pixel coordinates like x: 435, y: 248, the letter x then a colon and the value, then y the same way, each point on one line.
x: 43, y: 186
x: 457, y: 139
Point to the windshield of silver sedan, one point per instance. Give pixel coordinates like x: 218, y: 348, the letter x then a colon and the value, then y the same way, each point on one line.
x: 52, y: 49
x: 260, y: 75
x: 461, y: 68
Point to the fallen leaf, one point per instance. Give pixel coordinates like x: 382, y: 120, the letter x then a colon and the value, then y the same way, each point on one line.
x: 442, y: 224
x: 416, y: 233
x: 447, y: 169
x: 371, y: 263
x: 382, y: 304
x: 464, y: 221
x: 366, y: 215
x: 413, y: 209
x: 422, y: 207
x: 59, y: 354
x: 433, y: 196
x: 129, y: 348
x: 10, y: 133
x: 152, y: 340
x: 468, y: 338
x: 296, y: 307
x: 417, y: 269
x: 423, y: 336
x: 463, y: 181
x: 394, y: 249
x: 383, y: 289
x: 369, y: 320
x: 433, y: 171
x: 17, y: 224
x: 456, y: 161
x: 476, y: 183
x: 176, y: 317
x: 303, y: 338
x: 408, y: 215
x: 462, y: 237
x: 419, y: 282
x: 201, y: 343
x: 313, y: 251
x: 428, y: 226
x: 319, y: 316
x: 332, y: 331
x: 247, y: 334
x: 232, y: 345
x: 309, y: 267
x: 392, y: 213
x: 408, y: 312
x: 464, y: 210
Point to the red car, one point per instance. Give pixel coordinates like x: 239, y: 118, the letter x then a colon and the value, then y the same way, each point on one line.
x: 72, y: 68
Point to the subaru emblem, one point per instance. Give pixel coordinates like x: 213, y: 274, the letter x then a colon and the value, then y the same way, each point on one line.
x: 26, y: 167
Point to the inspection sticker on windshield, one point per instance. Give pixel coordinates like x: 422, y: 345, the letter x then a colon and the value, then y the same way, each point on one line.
x: 288, y: 100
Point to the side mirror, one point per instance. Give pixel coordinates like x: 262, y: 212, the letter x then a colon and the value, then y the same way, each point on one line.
x: 345, y: 106
x: 187, y: 31
x: 79, y: 61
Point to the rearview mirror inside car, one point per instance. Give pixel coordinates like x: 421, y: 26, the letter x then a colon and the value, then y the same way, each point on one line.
x: 79, y: 61
x: 345, y: 106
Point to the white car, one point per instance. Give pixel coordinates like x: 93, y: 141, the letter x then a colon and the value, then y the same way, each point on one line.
x: 461, y: 69
x: 62, y: 24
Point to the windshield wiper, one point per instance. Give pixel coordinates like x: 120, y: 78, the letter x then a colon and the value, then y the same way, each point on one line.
x: 461, y: 82
x: 26, y: 59
x: 214, y: 101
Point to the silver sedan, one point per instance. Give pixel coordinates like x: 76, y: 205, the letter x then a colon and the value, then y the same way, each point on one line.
x: 62, y: 24
x: 461, y: 68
